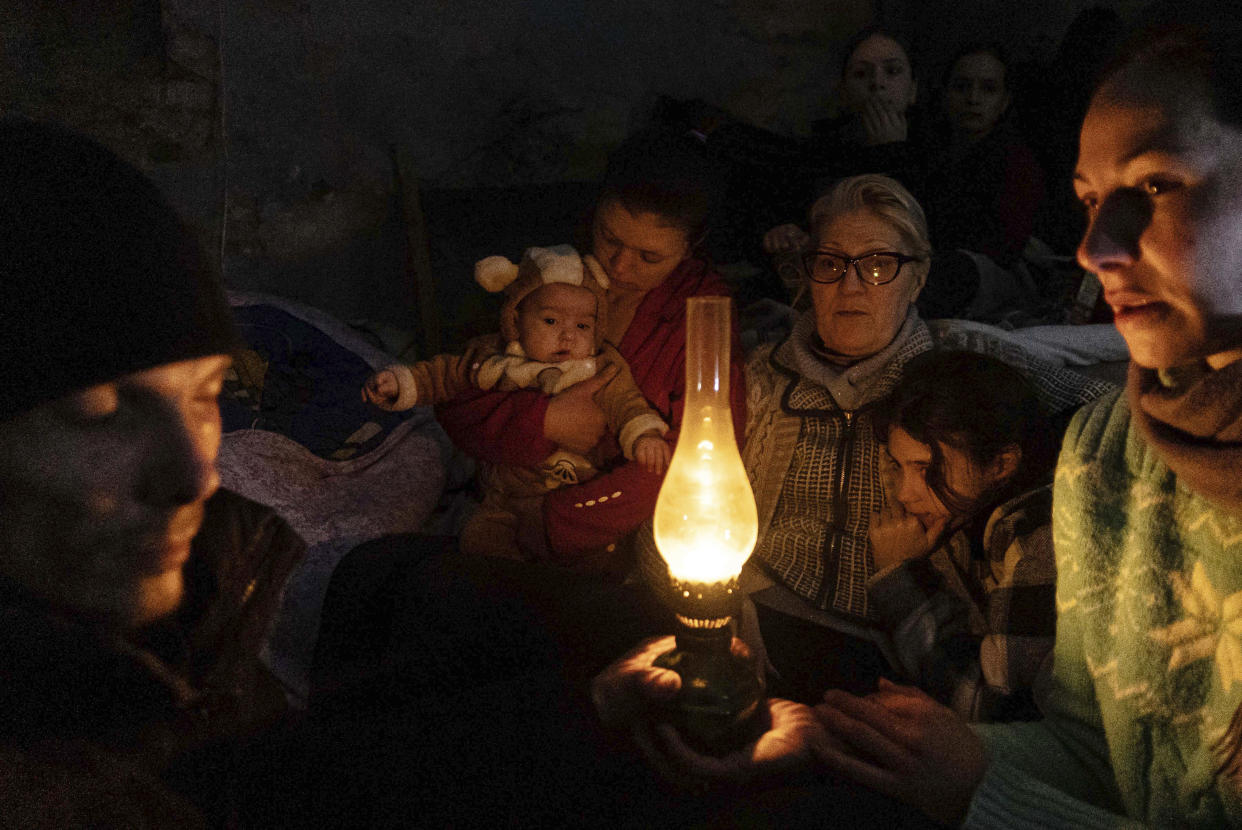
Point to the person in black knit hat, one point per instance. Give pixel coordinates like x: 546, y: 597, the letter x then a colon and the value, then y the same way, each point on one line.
x: 99, y: 275
x: 134, y: 594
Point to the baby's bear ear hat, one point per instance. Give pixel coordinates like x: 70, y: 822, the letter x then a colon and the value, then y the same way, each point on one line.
x: 539, y: 267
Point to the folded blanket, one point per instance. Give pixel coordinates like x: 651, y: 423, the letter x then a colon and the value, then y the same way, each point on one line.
x: 388, y: 482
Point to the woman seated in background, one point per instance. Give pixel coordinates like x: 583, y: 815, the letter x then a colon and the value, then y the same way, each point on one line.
x: 875, y: 132
x: 982, y: 188
x: 773, y: 178
x: 965, y: 576
x: 983, y: 185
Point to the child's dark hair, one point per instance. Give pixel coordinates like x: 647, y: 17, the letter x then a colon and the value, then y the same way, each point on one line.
x: 978, y: 405
x: 668, y: 173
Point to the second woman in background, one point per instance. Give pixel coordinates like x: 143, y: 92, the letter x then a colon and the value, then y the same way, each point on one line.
x: 875, y: 132
x: 985, y: 187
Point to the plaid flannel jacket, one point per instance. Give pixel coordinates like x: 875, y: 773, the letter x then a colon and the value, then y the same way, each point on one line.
x: 973, y: 622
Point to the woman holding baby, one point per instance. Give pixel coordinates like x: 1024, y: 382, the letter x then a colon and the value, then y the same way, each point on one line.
x: 651, y: 216
x: 652, y: 213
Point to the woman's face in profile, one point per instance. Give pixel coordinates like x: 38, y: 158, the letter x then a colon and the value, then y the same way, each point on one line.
x: 1161, y: 180
x: 878, y: 69
x: 853, y: 318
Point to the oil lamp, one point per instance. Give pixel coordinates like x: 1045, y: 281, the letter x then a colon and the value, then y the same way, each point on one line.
x: 705, y: 527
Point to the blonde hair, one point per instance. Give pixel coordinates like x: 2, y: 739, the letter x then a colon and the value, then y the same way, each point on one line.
x: 883, y: 196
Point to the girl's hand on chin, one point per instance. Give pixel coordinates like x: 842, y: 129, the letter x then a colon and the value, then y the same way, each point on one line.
x: 883, y: 123
x: 897, y: 536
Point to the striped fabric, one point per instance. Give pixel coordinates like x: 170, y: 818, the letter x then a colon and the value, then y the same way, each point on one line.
x: 973, y: 622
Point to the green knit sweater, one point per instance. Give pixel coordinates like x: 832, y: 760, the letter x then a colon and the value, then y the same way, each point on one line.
x: 1148, y: 658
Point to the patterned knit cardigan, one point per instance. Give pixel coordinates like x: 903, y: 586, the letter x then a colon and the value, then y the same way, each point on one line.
x: 820, y: 465
x: 1148, y: 659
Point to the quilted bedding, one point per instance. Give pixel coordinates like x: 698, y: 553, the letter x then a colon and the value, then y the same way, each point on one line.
x: 299, y: 439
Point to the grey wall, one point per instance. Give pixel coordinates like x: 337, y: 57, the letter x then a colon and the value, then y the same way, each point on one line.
x: 272, y: 123
x: 1028, y: 29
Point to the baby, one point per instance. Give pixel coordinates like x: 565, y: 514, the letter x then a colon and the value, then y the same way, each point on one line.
x: 551, y: 336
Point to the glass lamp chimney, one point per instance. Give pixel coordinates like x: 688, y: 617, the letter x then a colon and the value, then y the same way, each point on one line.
x: 705, y: 528
x: 705, y: 519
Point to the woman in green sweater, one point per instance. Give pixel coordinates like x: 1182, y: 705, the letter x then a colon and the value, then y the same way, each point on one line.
x: 1142, y: 718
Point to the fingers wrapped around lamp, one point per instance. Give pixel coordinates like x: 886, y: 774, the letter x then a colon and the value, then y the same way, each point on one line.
x: 705, y: 528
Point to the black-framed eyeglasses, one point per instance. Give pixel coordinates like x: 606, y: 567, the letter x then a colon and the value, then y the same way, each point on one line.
x: 879, y: 268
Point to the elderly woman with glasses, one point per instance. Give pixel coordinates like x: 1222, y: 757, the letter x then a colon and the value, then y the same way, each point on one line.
x: 814, y: 461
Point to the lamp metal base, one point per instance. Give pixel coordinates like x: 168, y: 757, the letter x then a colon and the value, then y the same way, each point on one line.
x: 720, y: 691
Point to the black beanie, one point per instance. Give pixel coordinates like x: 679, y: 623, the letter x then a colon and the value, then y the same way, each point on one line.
x: 98, y: 275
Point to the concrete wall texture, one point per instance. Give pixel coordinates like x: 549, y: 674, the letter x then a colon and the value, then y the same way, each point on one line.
x: 273, y: 124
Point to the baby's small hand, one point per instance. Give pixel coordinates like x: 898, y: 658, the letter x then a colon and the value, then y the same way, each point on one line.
x: 381, y: 389
x: 652, y: 453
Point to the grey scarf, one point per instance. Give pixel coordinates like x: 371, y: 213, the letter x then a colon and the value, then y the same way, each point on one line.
x: 859, y: 383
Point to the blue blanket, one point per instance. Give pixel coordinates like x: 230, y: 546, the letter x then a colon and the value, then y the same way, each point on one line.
x: 298, y: 381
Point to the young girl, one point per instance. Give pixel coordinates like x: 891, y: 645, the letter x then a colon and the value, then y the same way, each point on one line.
x: 963, y: 555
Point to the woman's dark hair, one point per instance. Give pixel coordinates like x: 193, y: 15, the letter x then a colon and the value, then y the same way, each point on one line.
x: 978, y: 405
x: 977, y: 47
x: 667, y: 173
x: 1201, y: 41
x: 893, y: 33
